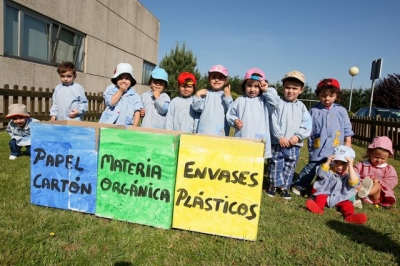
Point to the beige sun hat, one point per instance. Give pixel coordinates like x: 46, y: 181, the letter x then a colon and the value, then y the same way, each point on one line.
x: 17, y: 109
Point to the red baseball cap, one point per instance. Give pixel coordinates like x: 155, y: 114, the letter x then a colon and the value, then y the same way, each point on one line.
x: 185, y: 76
x: 329, y: 82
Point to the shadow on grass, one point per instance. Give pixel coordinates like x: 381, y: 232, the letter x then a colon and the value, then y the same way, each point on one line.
x: 367, y: 236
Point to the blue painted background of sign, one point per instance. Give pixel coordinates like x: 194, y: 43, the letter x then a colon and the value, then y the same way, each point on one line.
x: 64, y: 167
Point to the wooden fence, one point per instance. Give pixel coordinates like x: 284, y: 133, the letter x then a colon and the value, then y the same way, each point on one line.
x: 38, y: 102
x: 366, y: 128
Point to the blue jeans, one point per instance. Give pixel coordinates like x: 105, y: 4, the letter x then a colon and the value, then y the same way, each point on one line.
x: 307, y: 175
x: 16, y: 150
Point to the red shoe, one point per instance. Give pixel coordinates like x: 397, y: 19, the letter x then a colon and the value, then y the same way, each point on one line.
x: 313, y: 207
x: 357, y: 218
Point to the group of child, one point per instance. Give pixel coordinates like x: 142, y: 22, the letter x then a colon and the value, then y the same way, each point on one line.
x: 281, y: 123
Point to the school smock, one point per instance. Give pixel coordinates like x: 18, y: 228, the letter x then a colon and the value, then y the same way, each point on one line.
x: 387, y: 178
x: 337, y: 187
x: 254, y: 113
x: 329, y: 128
x: 66, y: 98
x: 22, y: 135
x: 290, y: 119
x: 156, y: 110
x: 123, y: 111
x: 213, y: 108
x: 181, y: 116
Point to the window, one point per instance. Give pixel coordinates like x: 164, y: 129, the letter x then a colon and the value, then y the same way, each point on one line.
x: 147, y: 68
x: 28, y: 35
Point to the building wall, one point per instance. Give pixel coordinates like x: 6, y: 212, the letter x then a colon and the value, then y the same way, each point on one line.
x: 116, y: 31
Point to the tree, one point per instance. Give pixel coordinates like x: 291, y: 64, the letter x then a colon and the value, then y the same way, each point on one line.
x: 386, y: 93
x: 177, y: 61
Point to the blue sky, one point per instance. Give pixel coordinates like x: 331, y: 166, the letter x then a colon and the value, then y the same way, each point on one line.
x: 319, y: 38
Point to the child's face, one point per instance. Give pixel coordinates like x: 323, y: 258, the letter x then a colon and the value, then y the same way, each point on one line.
x: 292, y: 90
x: 253, y: 88
x: 20, y: 121
x: 124, y: 80
x: 340, y: 166
x: 67, y: 78
x: 327, y: 99
x: 157, y: 85
x: 186, y: 90
x: 378, y: 156
x: 217, y: 81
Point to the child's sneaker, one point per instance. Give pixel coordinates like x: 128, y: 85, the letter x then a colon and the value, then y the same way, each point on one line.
x: 12, y: 157
x: 365, y: 188
x: 357, y: 203
x: 299, y: 191
x: 285, y: 194
x: 271, y: 192
x: 313, y: 207
x: 357, y: 218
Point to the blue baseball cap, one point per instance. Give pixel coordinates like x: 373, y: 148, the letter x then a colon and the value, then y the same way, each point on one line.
x: 159, y: 73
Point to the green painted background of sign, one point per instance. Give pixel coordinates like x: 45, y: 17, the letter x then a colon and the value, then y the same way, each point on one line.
x: 150, y: 149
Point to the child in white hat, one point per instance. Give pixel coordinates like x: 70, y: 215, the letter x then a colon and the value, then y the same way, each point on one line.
x: 156, y: 101
x: 123, y: 103
x: 19, y: 130
x: 335, y: 186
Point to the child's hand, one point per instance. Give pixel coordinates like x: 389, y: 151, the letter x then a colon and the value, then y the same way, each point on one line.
x: 142, y: 112
x: 294, y: 140
x: 201, y: 93
x: 330, y: 159
x: 73, y: 113
x: 156, y: 94
x: 349, y: 159
x: 123, y: 87
x: 238, y: 124
x: 53, y: 118
x: 227, y: 91
x: 283, y: 142
x: 264, y: 85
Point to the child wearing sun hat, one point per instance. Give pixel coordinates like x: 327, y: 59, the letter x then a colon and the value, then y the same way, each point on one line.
x: 122, y: 101
x: 378, y: 178
x: 19, y: 129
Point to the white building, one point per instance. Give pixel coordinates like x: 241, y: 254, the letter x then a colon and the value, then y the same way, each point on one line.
x: 94, y: 34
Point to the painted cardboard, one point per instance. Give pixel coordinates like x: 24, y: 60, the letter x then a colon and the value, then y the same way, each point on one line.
x: 136, y: 175
x: 64, y: 164
x: 219, y: 186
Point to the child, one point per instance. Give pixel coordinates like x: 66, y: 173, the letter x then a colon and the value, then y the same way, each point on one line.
x: 155, y: 101
x: 214, y: 103
x: 180, y: 115
x: 19, y: 129
x: 331, y: 127
x: 69, y: 100
x: 336, y: 185
x: 249, y: 114
x: 290, y: 124
x: 378, y: 177
x: 123, y: 103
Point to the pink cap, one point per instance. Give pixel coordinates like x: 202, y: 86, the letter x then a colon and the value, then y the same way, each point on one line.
x: 253, y: 71
x: 220, y: 69
x: 383, y: 143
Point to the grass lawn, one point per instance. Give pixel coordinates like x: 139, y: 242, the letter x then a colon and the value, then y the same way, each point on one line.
x: 287, y: 235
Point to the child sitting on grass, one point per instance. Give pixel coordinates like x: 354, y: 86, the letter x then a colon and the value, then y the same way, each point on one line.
x: 336, y: 184
x: 378, y: 178
x: 19, y: 129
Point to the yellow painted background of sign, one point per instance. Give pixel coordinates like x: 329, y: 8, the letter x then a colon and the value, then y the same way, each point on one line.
x: 228, y: 155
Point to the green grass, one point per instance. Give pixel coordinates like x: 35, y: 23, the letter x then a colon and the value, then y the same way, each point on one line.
x: 287, y: 235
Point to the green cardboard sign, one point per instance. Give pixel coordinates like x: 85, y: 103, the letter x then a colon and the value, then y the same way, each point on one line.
x: 136, y: 176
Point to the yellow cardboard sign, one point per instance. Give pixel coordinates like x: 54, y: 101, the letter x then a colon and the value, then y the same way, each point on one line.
x: 219, y: 186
